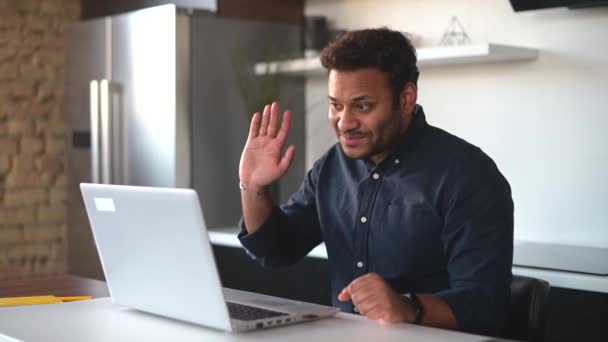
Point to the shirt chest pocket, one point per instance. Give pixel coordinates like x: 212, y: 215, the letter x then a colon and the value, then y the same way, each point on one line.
x: 408, y: 220
x: 403, y: 233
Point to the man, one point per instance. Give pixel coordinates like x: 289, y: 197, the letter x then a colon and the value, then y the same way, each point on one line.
x: 418, y: 223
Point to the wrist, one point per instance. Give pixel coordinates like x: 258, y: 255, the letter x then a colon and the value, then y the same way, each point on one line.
x: 258, y: 190
x: 415, y: 310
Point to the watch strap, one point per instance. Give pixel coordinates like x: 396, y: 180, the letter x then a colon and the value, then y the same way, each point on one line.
x: 418, y: 308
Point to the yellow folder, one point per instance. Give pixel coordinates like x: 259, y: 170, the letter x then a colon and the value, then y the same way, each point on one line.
x: 34, y: 300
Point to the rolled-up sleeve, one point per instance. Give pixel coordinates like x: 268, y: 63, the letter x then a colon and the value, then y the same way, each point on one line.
x: 478, y: 243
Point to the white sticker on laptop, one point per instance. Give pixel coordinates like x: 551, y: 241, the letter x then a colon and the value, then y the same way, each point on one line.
x: 104, y: 204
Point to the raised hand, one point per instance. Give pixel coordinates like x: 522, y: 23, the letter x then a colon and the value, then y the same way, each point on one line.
x: 261, y: 162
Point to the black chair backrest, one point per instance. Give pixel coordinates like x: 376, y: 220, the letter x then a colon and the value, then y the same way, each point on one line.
x: 528, y: 309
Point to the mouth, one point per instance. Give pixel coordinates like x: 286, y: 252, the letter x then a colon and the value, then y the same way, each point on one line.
x: 352, y: 140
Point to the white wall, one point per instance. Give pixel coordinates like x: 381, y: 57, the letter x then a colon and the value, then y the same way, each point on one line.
x: 544, y: 122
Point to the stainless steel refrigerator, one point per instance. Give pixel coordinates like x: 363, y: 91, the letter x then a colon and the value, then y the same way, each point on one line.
x: 153, y: 98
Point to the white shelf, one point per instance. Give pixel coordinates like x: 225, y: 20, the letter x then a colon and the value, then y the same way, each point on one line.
x: 427, y: 57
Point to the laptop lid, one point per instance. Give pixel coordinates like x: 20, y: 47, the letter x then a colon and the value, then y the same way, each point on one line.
x: 155, y: 252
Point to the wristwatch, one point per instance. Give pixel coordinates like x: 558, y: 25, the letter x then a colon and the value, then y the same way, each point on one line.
x: 418, y: 308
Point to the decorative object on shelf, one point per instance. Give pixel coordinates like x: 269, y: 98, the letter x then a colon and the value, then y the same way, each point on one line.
x: 316, y: 34
x: 455, y: 35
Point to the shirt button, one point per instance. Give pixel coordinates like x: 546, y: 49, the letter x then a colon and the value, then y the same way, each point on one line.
x: 396, y: 161
x: 376, y: 176
x: 363, y: 219
x: 360, y: 264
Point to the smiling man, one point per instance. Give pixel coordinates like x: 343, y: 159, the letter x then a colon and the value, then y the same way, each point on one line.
x: 418, y: 223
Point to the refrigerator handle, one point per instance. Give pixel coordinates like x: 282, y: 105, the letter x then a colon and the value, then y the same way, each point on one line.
x: 94, y: 113
x: 105, y: 111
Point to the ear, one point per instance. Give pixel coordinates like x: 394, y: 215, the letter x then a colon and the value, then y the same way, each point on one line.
x: 409, y: 95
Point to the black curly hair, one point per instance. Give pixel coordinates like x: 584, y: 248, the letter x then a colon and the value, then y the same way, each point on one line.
x: 390, y: 51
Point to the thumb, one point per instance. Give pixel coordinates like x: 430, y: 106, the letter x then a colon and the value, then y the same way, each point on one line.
x: 287, y: 158
x: 344, y: 296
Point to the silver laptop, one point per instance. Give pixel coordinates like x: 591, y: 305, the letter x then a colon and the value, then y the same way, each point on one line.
x: 156, y: 256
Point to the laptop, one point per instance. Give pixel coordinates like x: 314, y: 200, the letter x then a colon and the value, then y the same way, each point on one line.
x: 157, y: 258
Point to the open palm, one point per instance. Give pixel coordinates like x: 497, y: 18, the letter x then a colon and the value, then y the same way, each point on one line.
x: 261, y: 162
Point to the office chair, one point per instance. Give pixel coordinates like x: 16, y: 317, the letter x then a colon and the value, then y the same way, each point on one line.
x: 528, y: 309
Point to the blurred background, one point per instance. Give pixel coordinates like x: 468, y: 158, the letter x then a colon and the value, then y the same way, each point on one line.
x: 51, y: 51
x: 160, y: 93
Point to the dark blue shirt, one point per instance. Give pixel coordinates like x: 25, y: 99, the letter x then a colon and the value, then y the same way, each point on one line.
x: 435, y: 217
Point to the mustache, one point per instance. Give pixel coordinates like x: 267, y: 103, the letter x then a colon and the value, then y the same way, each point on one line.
x: 354, y: 134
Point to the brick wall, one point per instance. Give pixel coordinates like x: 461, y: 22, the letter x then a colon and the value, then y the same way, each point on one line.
x: 33, y: 226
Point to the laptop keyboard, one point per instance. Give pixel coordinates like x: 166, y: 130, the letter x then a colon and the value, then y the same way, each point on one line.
x: 251, y: 313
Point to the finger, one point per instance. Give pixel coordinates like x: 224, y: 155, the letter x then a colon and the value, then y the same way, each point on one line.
x: 344, y: 295
x: 273, y: 125
x: 254, y: 128
x: 389, y: 318
x: 287, y: 158
x: 366, y: 306
x: 375, y: 314
x: 265, y: 118
x: 364, y: 278
x: 382, y: 321
x: 362, y: 282
x: 363, y: 299
x: 378, y: 306
x: 285, y: 126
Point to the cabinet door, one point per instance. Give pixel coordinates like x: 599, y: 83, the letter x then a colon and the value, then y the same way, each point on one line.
x: 307, y: 281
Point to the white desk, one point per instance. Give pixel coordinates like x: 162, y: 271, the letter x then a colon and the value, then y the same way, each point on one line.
x: 98, y: 320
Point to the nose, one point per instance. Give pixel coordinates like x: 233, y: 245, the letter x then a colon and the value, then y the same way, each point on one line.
x: 347, y: 121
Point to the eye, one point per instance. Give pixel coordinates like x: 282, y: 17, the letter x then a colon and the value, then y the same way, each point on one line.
x: 336, y: 106
x: 363, y: 107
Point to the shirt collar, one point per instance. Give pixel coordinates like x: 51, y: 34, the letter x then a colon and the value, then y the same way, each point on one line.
x: 407, y: 142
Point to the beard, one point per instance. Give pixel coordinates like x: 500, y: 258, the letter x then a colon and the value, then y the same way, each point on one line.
x: 366, y: 144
